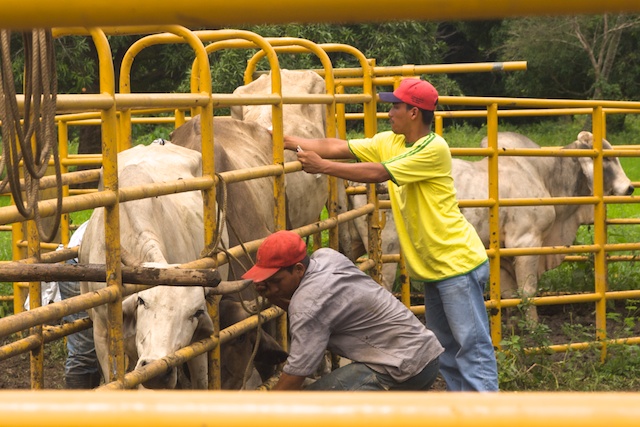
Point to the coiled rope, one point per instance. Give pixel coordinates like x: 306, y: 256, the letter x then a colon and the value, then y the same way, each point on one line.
x: 30, y: 139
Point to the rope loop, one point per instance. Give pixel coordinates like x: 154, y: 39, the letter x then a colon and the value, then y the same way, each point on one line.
x: 30, y: 138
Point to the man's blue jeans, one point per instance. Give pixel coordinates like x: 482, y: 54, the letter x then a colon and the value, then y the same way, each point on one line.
x: 81, y: 352
x: 455, y: 312
x: 358, y: 376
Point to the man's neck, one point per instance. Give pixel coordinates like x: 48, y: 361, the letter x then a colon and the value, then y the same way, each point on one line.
x: 412, y: 137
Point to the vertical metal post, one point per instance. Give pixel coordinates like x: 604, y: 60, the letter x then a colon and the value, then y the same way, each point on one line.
x: 495, y: 318
x: 405, y: 282
x: 111, y: 216
x: 599, y: 231
x: 373, y: 218
x: 36, y: 358
x: 331, y: 131
x: 63, y: 152
x: 20, y: 289
x: 439, y: 127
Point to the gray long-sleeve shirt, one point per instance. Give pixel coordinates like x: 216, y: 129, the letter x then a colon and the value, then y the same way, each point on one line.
x: 339, y: 307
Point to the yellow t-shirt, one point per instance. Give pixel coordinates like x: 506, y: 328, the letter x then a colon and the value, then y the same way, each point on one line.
x: 436, y: 239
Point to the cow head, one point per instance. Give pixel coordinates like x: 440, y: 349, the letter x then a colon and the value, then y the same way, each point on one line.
x: 616, y: 181
x: 305, y: 120
x: 164, y: 319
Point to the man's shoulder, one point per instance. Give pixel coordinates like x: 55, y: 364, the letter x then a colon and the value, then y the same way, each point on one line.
x: 324, y: 253
x: 379, y: 137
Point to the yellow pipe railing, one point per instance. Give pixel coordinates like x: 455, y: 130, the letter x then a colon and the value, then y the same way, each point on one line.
x: 109, y: 102
x: 317, y: 409
x: 190, y: 13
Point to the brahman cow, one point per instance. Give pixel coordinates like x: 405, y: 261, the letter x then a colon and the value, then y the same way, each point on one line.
x: 306, y: 194
x: 532, y: 226
x: 536, y: 226
x: 241, y: 144
x: 159, y: 231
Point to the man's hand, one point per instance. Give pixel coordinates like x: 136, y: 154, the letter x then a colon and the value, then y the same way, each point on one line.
x: 263, y: 291
x: 289, y: 382
x: 311, y: 161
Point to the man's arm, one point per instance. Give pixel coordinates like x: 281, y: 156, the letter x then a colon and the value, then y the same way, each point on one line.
x: 289, y: 382
x: 327, y: 148
x: 313, y: 152
x: 360, y: 172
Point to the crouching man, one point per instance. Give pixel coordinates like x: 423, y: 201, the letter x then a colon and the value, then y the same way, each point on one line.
x: 333, y: 305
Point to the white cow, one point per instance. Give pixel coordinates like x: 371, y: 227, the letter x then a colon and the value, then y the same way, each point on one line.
x: 522, y: 227
x: 161, y: 231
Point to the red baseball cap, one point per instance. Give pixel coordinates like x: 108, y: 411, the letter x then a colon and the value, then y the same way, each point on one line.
x: 280, y: 249
x: 416, y: 92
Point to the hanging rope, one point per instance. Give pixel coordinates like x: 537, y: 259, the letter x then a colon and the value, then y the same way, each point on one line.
x: 31, y: 138
x: 218, y: 246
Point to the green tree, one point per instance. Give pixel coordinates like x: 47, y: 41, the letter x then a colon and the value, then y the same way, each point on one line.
x: 471, y: 42
x: 389, y: 44
x: 570, y: 57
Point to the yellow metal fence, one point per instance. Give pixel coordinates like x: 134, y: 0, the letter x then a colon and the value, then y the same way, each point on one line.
x: 75, y: 408
x: 126, y: 108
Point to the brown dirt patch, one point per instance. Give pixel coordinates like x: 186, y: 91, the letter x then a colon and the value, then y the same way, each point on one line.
x: 15, y: 371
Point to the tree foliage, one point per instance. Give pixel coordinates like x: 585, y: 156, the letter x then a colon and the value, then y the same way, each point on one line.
x: 569, y: 57
x: 389, y: 44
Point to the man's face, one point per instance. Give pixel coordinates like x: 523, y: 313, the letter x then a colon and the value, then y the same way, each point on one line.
x: 281, y: 286
x: 400, y: 116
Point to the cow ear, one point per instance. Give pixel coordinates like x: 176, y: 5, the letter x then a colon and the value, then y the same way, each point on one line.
x: 586, y: 138
x: 586, y: 164
x: 204, y: 328
x: 129, y: 309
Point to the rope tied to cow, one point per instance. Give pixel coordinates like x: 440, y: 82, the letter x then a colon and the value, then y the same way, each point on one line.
x: 218, y: 246
x: 221, y: 219
x: 31, y: 138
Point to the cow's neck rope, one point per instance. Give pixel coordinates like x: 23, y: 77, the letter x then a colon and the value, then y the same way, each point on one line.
x: 218, y: 246
x: 249, y: 369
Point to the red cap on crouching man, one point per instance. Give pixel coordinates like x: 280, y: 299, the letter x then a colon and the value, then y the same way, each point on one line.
x: 279, y: 250
x: 416, y: 92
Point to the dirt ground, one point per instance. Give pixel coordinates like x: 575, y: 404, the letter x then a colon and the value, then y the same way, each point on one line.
x: 15, y: 372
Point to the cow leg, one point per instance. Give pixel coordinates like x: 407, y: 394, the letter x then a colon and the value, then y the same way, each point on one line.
x: 526, y: 269
x: 508, y: 289
x: 101, y: 341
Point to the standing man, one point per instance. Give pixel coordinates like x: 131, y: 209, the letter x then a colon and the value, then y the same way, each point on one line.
x: 332, y: 304
x: 81, y: 368
x: 442, y: 249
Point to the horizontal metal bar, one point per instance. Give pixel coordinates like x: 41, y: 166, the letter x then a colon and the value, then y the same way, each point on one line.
x: 13, y: 272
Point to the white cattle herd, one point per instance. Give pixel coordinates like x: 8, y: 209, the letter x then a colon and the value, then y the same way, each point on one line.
x: 168, y: 230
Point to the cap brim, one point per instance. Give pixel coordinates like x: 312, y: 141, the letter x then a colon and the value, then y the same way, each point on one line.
x: 389, y: 97
x: 260, y: 274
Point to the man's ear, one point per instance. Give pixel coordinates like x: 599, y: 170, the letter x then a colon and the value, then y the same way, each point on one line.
x: 299, y: 269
